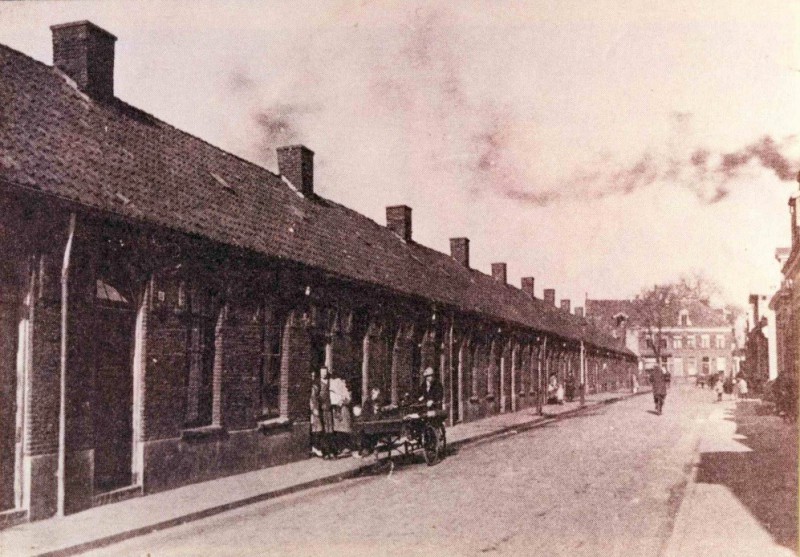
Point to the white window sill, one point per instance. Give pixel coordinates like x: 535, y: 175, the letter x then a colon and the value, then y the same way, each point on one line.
x: 275, y: 424
x: 202, y: 433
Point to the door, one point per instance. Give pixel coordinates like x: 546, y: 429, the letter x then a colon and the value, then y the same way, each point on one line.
x: 113, y: 400
x: 8, y: 398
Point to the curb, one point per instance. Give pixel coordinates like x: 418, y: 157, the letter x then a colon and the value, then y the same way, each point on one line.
x: 537, y: 421
x: 679, y: 526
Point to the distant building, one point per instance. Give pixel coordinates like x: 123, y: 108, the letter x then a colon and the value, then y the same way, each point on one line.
x: 786, y: 301
x: 696, y: 339
x: 755, y: 367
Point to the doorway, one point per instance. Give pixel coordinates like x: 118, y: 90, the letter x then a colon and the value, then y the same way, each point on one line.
x: 115, y: 319
x: 456, y: 369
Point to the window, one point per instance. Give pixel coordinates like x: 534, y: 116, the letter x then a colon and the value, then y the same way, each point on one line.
x: 677, y: 342
x: 677, y: 364
x: 722, y: 363
x: 691, y: 366
x: 662, y: 342
x: 684, y: 318
x: 200, y: 338
x: 691, y: 342
x: 270, y: 364
x: 705, y: 341
x: 720, y: 341
x: 706, y: 365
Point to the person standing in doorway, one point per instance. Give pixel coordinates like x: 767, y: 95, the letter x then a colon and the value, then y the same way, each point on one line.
x: 317, y: 431
x: 327, y: 443
x: 659, y: 384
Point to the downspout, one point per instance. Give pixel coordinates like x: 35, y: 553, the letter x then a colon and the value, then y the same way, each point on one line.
x: 62, y: 406
x: 450, y: 371
x: 583, y: 374
x: 543, y: 373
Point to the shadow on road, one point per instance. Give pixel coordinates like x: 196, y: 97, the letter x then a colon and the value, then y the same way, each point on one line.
x: 763, y: 478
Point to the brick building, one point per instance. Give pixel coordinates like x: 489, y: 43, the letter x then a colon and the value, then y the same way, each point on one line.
x: 786, y: 301
x: 696, y: 339
x: 162, y: 302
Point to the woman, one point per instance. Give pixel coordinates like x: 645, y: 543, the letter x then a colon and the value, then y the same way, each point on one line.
x: 741, y: 386
x: 555, y: 391
x: 342, y: 418
x: 317, y: 431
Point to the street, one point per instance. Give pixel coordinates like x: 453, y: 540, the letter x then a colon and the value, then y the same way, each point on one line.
x: 608, y: 482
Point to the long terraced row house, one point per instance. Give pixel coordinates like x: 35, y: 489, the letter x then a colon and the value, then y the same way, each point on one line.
x: 162, y: 301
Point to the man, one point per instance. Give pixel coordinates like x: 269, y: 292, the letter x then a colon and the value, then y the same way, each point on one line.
x: 658, y: 381
x: 432, y: 391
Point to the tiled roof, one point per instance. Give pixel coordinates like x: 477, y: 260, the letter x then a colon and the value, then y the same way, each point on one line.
x: 700, y: 313
x: 116, y: 158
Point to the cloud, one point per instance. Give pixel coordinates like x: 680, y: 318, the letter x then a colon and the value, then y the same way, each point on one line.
x: 416, y: 93
x: 709, y: 175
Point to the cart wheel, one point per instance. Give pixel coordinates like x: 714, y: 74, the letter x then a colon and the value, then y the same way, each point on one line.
x: 442, y: 442
x: 431, y: 445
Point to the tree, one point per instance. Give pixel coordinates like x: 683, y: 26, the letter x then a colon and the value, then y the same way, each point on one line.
x: 697, y: 286
x: 655, y: 314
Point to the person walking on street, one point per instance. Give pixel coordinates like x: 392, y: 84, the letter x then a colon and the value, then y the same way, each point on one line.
x: 658, y: 381
x: 719, y: 386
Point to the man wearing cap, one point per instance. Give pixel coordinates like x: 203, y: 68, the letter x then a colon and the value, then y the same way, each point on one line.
x: 432, y: 391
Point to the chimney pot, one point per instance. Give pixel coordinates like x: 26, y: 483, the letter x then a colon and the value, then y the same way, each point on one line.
x: 550, y: 296
x: 565, y: 305
x: 398, y: 220
x: 85, y: 52
x: 527, y: 285
x: 296, y: 163
x: 579, y: 311
x: 459, y: 250
x: 499, y: 272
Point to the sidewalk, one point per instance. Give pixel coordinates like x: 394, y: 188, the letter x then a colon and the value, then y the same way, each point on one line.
x: 107, y: 524
x: 741, y: 499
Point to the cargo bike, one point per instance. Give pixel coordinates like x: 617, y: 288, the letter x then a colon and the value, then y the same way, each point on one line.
x: 403, y: 430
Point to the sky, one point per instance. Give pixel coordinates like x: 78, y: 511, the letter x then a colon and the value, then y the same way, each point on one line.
x: 598, y: 146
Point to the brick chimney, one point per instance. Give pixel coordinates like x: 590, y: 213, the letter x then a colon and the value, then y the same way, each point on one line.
x: 579, y: 311
x: 459, y: 250
x: 296, y: 163
x: 565, y: 305
x: 754, y: 302
x: 499, y: 272
x: 550, y: 296
x: 527, y: 284
x: 85, y: 52
x: 398, y: 220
